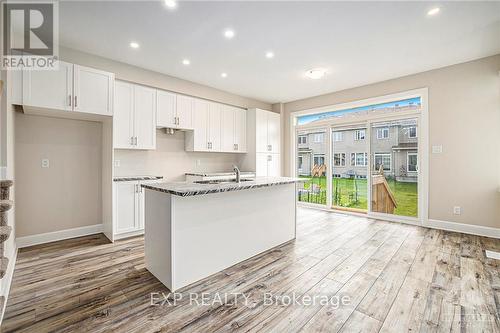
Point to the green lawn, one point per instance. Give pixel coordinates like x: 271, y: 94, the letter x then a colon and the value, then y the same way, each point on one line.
x: 344, y: 194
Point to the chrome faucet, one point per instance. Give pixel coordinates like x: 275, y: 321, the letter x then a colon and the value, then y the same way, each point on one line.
x: 238, y: 174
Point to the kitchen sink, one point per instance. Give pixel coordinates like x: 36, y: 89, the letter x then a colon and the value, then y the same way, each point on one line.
x: 220, y: 181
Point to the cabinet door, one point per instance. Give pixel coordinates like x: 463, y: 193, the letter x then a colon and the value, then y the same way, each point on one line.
x: 261, y: 164
x: 200, y: 122
x: 93, y: 90
x: 166, y: 109
x: 185, y: 105
x: 123, y: 118
x: 145, y: 117
x: 227, y: 131
x: 261, y: 145
x: 273, y: 165
x: 273, y: 132
x: 126, y: 207
x: 214, y: 126
x: 240, y: 130
x: 49, y: 89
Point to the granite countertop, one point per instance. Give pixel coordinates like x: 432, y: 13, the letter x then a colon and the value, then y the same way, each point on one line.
x: 217, y: 174
x: 132, y: 178
x: 185, y: 189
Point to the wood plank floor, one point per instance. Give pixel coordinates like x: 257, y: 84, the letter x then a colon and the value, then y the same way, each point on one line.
x: 395, y: 278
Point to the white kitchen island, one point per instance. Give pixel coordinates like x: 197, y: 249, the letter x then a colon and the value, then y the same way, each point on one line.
x: 195, y: 230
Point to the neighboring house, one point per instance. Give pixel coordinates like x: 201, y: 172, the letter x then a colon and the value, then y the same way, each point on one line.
x: 393, y: 146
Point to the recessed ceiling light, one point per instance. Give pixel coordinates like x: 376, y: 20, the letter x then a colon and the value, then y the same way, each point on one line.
x: 228, y: 33
x: 186, y: 62
x: 134, y: 45
x: 171, y: 4
x: 269, y: 55
x: 433, y: 11
x: 316, y: 73
x: 223, y: 74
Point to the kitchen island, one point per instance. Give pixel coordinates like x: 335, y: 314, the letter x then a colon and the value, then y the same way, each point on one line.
x: 193, y: 230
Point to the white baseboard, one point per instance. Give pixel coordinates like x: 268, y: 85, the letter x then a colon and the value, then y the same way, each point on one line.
x: 58, y: 235
x: 463, y: 228
x: 7, y: 280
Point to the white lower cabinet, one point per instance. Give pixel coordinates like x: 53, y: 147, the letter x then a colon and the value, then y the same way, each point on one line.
x: 129, y: 208
x: 267, y: 165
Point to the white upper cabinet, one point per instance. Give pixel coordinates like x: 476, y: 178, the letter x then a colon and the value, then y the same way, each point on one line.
x: 184, y: 112
x: 93, y: 90
x: 166, y: 114
x: 49, y: 89
x: 70, y: 88
x: 233, y: 129
x: 174, y: 111
x: 123, y: 118
x: 145, y: 117
x: 240, y: 130
x: 273, y: 132
x: 197, y: 140
x: 214, y: 126
x: 267, y: 131
x: 134, y: 121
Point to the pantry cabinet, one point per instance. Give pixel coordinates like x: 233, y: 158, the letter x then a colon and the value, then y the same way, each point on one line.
x: 69, y: 88
x: 134, y: 121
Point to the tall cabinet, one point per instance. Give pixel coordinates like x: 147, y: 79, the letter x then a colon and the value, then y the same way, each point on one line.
x: 263, y: 143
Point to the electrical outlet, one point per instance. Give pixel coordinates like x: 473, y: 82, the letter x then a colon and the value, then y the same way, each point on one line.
x: 457, y: 210
x: 117, y: 163
x: 437, y: 149
x: 45, y: 163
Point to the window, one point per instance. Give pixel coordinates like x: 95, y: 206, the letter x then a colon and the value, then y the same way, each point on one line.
x: 319, y: 159
x: 302, y: 139
x: 412, y: 132
x: 412, y: 162
x: 318, y: 137
x: 338, y: 136
x: 359, y: 135
x: 383, y: 159
x: 299, y: 162
x: 359, y: 159
x: 339, y: 159
x: 382, y: 133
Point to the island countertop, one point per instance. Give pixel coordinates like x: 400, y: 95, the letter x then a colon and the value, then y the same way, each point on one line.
x: 185, y: 189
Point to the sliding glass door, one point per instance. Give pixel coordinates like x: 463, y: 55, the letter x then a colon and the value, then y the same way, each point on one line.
x: 350, y: 169
x: 394, y: 167
x: 312, y: 165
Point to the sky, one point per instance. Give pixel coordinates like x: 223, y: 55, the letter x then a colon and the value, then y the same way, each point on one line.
x: 313, y: 117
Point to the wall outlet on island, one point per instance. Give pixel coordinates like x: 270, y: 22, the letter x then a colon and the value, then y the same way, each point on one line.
x: 457, y: 210
x: 45, y: 163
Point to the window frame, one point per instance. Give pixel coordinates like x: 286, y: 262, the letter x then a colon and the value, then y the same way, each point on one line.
x: 356, y: 159
x: 408, y: 154
x: 357, y: 136
x: 341, y: 136
x: 319, y: 156
x: 318, y: 135
x: 382, y: 154
x: 381, y: 130
x: 409, y: 132
x: 340, y: 159
x: 302, y: 137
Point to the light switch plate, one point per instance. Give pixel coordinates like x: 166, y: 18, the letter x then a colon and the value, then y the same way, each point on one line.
x: 45, y: 163
x: 437, y: 149
x: 457, y: 210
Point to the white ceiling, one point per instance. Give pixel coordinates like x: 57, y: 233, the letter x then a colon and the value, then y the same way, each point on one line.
x: 357, y: 42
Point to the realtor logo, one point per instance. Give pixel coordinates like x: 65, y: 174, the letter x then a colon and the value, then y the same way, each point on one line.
x: 29, y: 35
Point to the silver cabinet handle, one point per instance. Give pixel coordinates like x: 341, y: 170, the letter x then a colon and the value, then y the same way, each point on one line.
x: 178, y: 121
x: 131, y: 140
x: 136, y: 141
x: 208, y: 145
x: 70, y: 100
x: 76, y: 101
x: 269, y: 158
